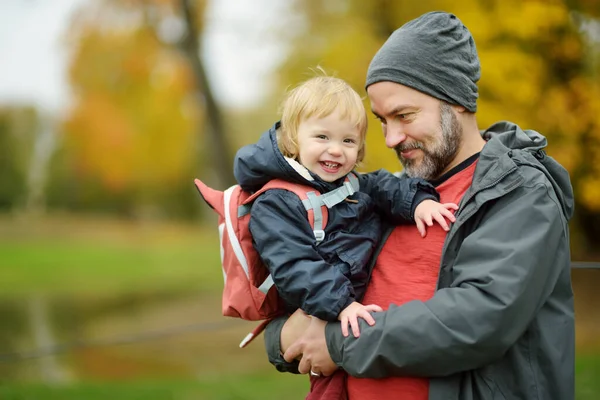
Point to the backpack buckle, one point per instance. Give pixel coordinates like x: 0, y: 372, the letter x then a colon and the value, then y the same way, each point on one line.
x: 350, y: 188
x: 319, y: 235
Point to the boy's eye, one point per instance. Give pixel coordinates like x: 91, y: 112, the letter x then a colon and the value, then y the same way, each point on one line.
x: 349, y: 141
x: 321, y: 137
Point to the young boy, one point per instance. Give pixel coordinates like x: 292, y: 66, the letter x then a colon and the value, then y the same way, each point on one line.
x: 319, y: 141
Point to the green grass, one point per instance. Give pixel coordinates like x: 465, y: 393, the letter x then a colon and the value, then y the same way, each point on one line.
x: 587, y: 371
x: 77, y: 257
x: 247, y: 387
x: 87, y: 257
x: 263, y: 386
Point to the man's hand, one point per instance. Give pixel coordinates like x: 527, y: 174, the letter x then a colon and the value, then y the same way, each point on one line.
x: 293, y: 328
x: 350, y: 315
x: 428, y: 210
x: 313, y: 348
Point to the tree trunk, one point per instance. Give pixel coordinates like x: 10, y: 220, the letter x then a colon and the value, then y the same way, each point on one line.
x: 221, y: 160
x: 51, y: 371
x: 43, y: 149
x: 44, y: 146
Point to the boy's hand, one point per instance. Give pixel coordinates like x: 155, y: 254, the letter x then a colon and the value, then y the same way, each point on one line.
x: 350, y: 314
x: 428, y: 211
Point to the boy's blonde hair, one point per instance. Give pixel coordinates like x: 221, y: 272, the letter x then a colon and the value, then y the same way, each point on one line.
x: 319, y: 97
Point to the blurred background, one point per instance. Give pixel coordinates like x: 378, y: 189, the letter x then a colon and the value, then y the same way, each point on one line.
x: 109, y: 265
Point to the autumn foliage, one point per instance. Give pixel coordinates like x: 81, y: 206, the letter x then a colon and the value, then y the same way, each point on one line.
x: 136, y: 131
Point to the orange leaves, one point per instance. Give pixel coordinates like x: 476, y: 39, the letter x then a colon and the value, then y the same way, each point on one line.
x: 133, y: 125
x: 102, y: 138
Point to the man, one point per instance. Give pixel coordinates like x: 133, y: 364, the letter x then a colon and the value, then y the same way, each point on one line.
x: 486, y: 310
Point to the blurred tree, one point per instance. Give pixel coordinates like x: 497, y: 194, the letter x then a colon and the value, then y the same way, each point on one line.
x: 220, y: 154
x: 17, y: 131
x: 135, y: 130
x: 535, y: 72
x: 44, y: 147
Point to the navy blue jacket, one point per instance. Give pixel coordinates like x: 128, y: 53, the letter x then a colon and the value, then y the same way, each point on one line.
x: 321, y: 279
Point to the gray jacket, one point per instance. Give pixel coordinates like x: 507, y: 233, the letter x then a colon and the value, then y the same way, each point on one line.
x: 501, y: 323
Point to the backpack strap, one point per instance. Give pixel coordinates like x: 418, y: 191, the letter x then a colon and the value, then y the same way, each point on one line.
x: 317, y: 211
x: 336, y: 196
x: 315, y: 203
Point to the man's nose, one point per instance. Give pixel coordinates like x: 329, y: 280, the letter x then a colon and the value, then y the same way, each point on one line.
x: 394, y: 137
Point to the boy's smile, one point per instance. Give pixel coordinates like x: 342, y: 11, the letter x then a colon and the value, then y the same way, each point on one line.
x: 328, y: 146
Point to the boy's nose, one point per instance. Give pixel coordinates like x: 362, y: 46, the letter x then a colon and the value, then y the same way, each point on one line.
x: 334, y: 150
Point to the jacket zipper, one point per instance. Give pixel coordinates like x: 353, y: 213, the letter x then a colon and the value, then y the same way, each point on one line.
x: 452, y: 232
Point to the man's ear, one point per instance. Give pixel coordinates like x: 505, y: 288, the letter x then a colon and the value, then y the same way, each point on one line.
x: 459, y: 109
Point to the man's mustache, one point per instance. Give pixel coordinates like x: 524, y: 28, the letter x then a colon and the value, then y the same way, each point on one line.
x: 409, y: 146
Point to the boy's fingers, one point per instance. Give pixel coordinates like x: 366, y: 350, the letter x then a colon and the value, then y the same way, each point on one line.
x: 448, y: 214
x: 344, y: 324
x: 354, y: 325
x: 367, y: 317
x: 373, y: 308
x: 451, y: 206
x: 428, y: 220
x: 440, y: 219
x: 421, y: 227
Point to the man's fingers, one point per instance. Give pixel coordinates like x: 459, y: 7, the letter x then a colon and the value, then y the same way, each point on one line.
x: 304, y: 366
x: 292, y: 352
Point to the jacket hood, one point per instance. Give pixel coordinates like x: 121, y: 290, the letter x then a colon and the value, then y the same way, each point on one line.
x: 258, y: 163
x: 505, y: 137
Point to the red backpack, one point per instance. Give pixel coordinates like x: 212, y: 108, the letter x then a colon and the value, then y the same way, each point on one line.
x: 248, y: 291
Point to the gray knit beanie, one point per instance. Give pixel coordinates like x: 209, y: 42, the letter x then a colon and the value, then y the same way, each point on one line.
x: 434, y: 54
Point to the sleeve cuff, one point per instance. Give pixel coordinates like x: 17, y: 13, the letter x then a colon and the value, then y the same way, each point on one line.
x: 273, y: 346
x: 420, y: 196
x: 335, y: 342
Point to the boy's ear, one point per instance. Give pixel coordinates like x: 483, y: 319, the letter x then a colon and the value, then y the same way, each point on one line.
x: 361, y: 153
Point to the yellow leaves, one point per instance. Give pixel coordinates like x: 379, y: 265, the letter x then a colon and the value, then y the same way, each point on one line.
x: 348, y: 55
x: 530, y: 53
x: 377, y: 154
x: 132, y: 126
x: 590, y: 193
x: 101, y: 138
x: 529, y: 19
x: 568, y: 50
x: 510, y: 75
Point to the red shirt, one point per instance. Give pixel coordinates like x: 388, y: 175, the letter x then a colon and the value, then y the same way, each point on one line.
x: 407, y: 269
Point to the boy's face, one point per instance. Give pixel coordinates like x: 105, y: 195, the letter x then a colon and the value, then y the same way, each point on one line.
x: 328, y: 146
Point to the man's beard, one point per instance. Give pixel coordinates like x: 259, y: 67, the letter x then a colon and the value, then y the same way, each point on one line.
x: 438, y: 153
